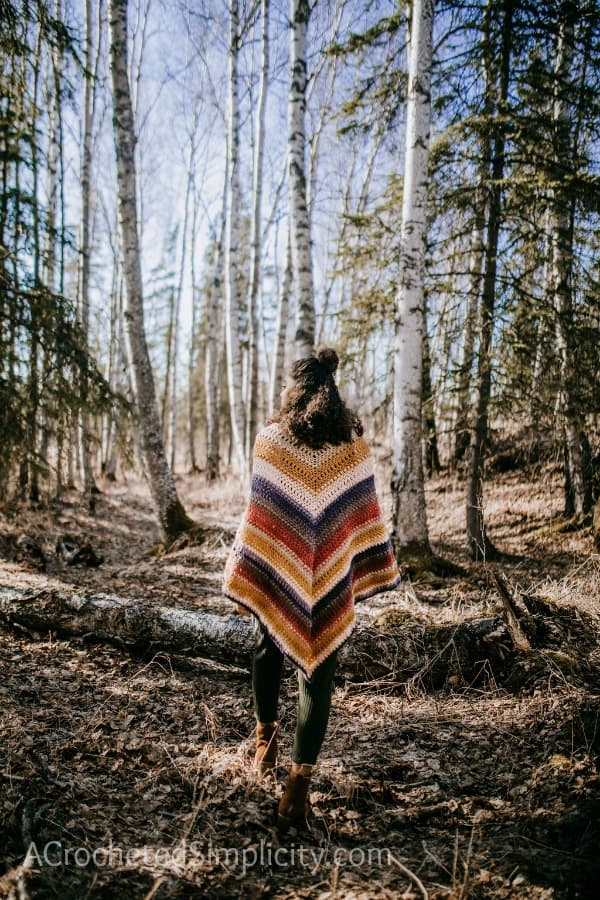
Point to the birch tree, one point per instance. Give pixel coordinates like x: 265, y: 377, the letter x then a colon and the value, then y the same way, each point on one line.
x: 192, y: 352
x: 277, y: 368
x: 235, y: 373
x: 172, y: 427
x: 255, y: 240
x: 89, y: 80
x: 212, y: 358
x: 298, y: 208
x: 172, y: 516
x: 409, y: 519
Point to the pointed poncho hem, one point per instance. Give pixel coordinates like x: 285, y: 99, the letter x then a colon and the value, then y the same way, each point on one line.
x: 307, y: 671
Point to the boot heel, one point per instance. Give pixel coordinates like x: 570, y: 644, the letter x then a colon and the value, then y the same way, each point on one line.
x: 294, y: 805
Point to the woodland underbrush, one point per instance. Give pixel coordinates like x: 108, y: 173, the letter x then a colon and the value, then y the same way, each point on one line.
x: 485, y: 789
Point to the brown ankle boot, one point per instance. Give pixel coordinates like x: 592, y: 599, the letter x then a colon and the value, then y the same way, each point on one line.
x: 266, y: 746
x: 294, y: 806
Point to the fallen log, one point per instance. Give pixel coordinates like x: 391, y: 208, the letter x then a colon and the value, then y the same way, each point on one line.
x: 398, y: 646
x: 130, y: 624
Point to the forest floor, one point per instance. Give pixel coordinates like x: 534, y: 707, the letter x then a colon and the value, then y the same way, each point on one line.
x: 132, y: 776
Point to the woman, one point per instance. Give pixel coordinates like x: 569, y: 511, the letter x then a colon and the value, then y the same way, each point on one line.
x: 312, y: 541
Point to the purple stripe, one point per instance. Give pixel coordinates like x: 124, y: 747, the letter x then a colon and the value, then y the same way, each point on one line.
x: 262, y: 487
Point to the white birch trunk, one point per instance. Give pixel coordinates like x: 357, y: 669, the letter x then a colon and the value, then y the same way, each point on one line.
x: 172, y: 428
x: 85, y: 245
x: 235, y: 371
x: 116, y: 381
x: 214, y: 329
x: 277, y: 370
x: 409, y: 527
x: 170, y: 511
x: 298, y: 209
x: 256, y: 242
x: 193, y: 328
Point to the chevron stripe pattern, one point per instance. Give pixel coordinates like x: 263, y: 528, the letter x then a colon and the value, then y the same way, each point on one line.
x: 312, y: 542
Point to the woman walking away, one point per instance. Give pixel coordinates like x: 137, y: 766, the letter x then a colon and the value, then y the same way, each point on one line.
x: 312, y: 542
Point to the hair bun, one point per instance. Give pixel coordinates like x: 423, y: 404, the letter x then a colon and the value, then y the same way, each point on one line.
x: 329, y: 359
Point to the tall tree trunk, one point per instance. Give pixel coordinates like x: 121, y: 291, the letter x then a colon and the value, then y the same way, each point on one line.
x: 480, y: 547
x: 33, y: 456
x: 256, y: 243
x: 299, y: 216
x: 212, y: 371
x: 48, y: 425
x: 89, y: 485
x: 235, y: 373
x: 172, y: 429
x: 171, y: 514
x: 409, y: 518
x: 543, y: 327
x: 465, y: 368
x: 53, y: 160
x: 277, y: 368
x: 578, y: 493
x: 166, y: 389
x: 193, y: 336
x: 109, y: 461
x: 432, y: 456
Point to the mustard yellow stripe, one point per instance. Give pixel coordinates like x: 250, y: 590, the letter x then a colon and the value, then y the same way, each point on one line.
x: 315, y: 478
x: 282, y: 560
x: 263, y: 606
x: 312, y: 501
x: 376, y: 579
x: 335, y: 567
x: 309, y: 655
x: 328, y: 637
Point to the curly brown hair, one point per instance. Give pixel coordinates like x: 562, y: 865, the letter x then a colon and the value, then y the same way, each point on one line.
x: 313, y: 413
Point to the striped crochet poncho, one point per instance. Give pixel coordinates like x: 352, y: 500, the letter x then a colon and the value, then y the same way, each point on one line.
x: 312, y: 541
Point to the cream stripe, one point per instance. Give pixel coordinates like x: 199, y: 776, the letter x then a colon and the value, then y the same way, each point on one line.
x: 313, y: 502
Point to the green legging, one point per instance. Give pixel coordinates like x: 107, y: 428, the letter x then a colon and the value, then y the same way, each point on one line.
x: 314, y: 697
